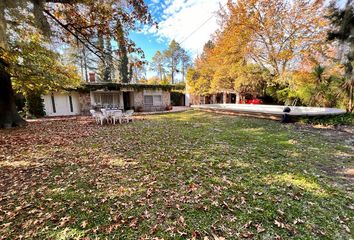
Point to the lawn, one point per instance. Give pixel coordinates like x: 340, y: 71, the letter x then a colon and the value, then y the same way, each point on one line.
x: 175, y: 176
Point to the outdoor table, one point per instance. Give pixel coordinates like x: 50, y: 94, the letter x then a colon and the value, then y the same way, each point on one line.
x: 110, y: 112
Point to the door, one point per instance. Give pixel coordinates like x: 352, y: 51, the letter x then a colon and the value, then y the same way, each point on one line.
x: 126, y: 100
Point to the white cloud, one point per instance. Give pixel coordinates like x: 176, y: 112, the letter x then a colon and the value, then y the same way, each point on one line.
x: 182, y: 17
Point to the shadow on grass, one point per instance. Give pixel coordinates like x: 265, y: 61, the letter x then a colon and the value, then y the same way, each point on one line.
x: 175, y: 176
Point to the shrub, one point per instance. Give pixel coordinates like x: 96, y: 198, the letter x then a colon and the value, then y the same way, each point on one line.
x: 168, y: 107
x: 344, y: 119
x: 34, y: 106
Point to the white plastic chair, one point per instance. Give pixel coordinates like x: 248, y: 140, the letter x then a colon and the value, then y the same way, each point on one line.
x: 117, y: 115
x: 105, y: 114
x: 100, y: 118
x: 128, y: 115
x: 94, y: 115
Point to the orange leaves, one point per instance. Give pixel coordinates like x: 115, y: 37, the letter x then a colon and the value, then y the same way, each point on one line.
x: 198, y: 180
x: 268, y: 34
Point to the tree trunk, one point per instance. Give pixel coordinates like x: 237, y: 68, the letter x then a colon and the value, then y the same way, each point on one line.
x: 9, y: 116
x: 350, y: 103
x: 172, y: 75
x: 85, y: 63
x: 183, y: 72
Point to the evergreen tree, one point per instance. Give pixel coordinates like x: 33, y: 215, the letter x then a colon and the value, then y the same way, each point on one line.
x: 173, y: 58
x: 343, y: 24
x: 157, y: 65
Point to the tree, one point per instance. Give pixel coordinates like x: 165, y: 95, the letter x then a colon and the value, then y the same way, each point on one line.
x: 137, y: 69
x: 172, y: 56
x: 101, y: 68
x: 319, y: 87
x: 199, y: 78
x: 280, y: 31
x: 109, y: 73
x: 343, y: 23
x: 105, y: 66
x: 36, y: 70
x: 123, y: 67
x: 79, y: 20
x: 259, y: 42
x: 197, y: 84
x: 157, y: 65
x: 185, y: 63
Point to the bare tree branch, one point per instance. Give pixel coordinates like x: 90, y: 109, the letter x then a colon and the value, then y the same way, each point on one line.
x: 74, y: 34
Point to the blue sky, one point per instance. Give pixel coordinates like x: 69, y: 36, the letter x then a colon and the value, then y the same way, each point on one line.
x: 177, y: 19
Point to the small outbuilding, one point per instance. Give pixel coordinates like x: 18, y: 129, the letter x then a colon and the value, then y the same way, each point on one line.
x: 79, y: 101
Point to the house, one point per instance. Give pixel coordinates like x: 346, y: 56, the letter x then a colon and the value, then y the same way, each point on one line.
x: 78, y: 101
x: 215, y: 98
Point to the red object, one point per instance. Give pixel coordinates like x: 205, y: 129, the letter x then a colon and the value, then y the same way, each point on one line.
x: 92, y: 77
x: 253, y: 101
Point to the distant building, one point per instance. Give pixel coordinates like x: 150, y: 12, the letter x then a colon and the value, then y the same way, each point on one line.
x: 140, y: 97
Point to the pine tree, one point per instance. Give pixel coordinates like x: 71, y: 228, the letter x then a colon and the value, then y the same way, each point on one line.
x: 343, y: 23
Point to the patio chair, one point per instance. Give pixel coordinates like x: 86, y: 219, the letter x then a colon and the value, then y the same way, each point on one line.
x: 106, y: 114
x: 117, y: 115
x: 100, y: 118
x: 93, y: 114
x: 127, y: 116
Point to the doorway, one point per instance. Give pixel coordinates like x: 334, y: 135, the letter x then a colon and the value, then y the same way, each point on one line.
x: 233, y: 97
x: 126, y: 101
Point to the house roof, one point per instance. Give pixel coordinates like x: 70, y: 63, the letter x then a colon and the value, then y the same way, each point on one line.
x: 87, y: 87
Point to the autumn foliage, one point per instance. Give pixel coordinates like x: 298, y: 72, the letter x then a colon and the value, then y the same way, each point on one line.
x: 268, y: 47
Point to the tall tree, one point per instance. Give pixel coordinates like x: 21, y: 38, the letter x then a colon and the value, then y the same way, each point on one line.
x: 280, y: 30
x: 109, y: 71
x: 261, y: 38
x: 101, y: 66
x: 73, y: 20
x: 137, y: 69
x: 157, y: 65
x: 185, y: 63
x: 199, y: 78
x: 123, y: 67
x: 105, y: 66
x: 343, y: 23
x: 173, y: 56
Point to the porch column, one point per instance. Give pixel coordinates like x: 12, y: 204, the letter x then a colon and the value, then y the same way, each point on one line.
x: 213, y: 98
x: 121, y: 100
x: 237, y: 97
x: 224, y: 96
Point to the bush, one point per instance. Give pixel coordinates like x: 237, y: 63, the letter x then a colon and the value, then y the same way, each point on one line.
x: 34, y: 106
x: 344, y: 119
x: 177, y: 99
x: 139, y: 109
x: 168, y: 107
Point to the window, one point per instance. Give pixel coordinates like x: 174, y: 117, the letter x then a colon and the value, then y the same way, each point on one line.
x: 148, y: 100
x: 152, y: 100
x: 157, y: 100
x: 105, y: 99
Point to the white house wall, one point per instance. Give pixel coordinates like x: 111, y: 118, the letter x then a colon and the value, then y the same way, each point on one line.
x: 62, y: 104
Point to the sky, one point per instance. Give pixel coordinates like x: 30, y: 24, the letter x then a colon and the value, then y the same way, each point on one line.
x: 189, y: 22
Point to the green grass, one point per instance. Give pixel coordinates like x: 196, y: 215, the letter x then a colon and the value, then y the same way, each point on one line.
x: 344, y: 119
x: 175, y: 176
